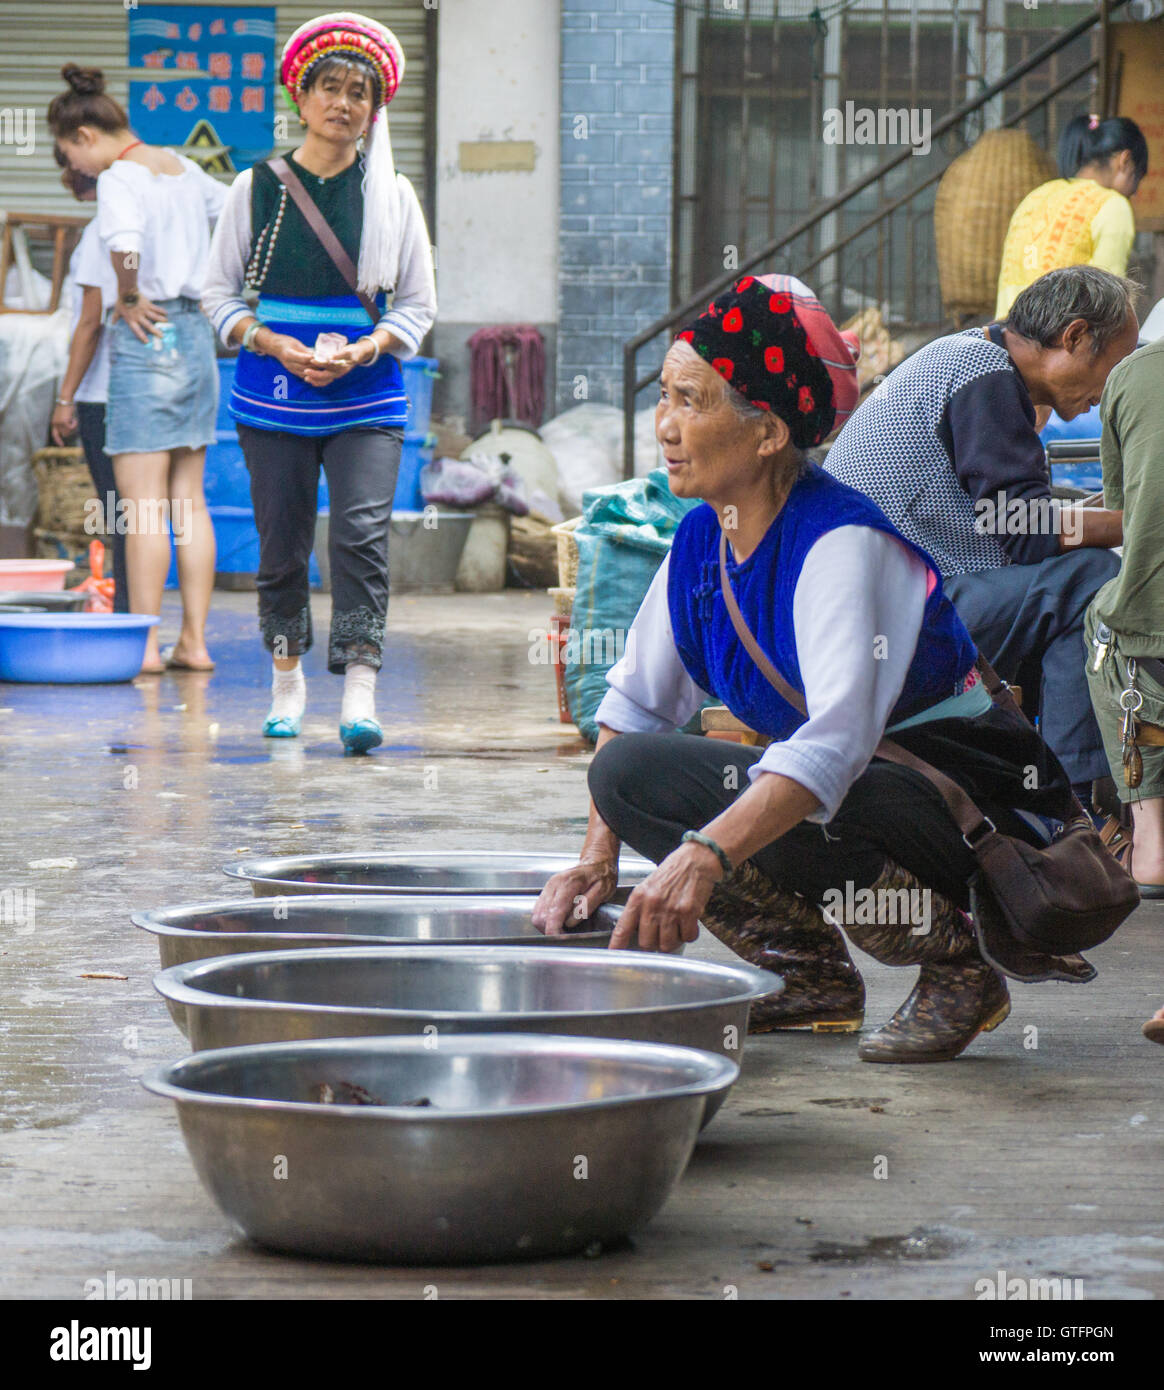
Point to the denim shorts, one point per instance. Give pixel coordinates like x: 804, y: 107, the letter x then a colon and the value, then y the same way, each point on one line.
x: 162, y: 394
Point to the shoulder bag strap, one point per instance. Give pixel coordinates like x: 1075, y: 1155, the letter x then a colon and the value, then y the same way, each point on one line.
x: 328, y: 239
x: 966, y: 814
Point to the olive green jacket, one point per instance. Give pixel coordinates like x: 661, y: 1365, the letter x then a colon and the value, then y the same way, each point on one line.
x: 1132, y: 452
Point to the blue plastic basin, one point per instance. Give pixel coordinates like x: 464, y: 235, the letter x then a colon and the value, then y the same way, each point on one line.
x: 72, y: 648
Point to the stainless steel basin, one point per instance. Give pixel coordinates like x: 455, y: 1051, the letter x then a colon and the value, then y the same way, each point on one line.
x: 199, y: 931
x: 53, y: 601
x: 280, y: 996
x: 463, y: 871
x: 527, y: 1147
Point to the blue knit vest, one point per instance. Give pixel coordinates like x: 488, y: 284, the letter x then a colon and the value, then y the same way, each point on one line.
x: 764, y: 585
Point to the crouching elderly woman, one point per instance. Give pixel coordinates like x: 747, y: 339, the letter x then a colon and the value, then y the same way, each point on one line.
x: 751, y: 842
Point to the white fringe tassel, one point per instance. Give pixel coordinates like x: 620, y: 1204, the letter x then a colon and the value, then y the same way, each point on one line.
x: 383, y: 218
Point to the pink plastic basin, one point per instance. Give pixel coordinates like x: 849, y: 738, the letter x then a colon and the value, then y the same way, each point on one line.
x: 34, y: 574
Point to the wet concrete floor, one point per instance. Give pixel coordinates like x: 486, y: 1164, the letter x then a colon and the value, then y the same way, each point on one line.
x: 1037, y: 1154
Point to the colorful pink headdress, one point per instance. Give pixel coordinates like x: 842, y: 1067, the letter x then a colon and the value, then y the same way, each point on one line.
x: 347, y: 35
x: 337, y: 35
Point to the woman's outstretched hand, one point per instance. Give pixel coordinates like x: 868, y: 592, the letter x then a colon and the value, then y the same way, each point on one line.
x: 574, y: 895
x: 664, y: 909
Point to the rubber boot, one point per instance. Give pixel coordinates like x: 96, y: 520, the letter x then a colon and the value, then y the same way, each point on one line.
x: 957, y: 995
x: 778, y: 931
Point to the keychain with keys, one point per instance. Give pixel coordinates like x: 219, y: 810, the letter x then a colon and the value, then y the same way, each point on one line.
x: 1130, y: 701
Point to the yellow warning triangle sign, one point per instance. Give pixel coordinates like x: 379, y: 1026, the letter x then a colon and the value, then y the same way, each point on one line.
x: 204, y: 147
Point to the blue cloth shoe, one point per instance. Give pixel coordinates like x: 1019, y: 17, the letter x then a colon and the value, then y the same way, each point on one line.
x: 281, y: 726
x: 362, y: 736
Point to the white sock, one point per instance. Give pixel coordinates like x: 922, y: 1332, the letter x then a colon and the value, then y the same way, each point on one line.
x: 288, y: 693
x: 359, y: 694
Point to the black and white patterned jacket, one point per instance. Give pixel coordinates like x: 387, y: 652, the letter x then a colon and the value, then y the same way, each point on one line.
x: 953, y: 426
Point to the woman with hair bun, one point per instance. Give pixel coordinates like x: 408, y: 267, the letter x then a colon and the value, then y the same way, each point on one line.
x: 1083, y: 217
x: 154, y: 212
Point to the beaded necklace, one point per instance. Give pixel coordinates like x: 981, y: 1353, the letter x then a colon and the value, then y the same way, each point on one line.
x: 254, y: 282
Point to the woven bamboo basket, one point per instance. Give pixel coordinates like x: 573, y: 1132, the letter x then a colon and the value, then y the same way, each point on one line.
x: 563, y: 601
x: 64, y: 545
x: 567, y: 552
x: 64, y: 488
x: 975, y: 200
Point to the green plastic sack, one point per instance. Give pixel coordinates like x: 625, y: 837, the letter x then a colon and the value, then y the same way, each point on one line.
x: 625, y: 532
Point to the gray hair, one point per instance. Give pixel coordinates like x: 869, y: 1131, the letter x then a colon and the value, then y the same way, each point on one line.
x: 745, y: 410
x: 1047, y: 305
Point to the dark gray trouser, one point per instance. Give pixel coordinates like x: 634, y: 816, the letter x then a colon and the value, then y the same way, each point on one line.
x: 650, y: 788
x: 91, y: 428
x: 1021, y: 612
x: 361, y: 467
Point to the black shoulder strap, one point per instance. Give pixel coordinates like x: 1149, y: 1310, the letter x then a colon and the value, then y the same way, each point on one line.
x: 967, y: 816
x: 328, y: 239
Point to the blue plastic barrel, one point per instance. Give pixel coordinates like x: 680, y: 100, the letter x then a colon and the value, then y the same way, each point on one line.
x: 420, y: 373
x: 416, y: 453
x: 227, y: 483
x: 237, y: 540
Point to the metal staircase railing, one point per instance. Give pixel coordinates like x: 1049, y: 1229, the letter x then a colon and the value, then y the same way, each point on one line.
x: 633, y: 384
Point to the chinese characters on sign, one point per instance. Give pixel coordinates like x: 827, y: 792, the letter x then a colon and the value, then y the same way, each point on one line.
x: 226, y: 105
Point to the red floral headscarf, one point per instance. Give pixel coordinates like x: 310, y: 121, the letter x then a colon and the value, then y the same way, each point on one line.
x: 775, y: 344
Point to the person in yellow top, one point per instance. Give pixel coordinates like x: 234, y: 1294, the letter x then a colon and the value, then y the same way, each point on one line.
x: 1083, y: 218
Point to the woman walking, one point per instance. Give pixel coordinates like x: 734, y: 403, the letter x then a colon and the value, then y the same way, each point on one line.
x: 1083, y: 217
x: 792, y: 598
x: 154, y: 210
x: 318, y: 382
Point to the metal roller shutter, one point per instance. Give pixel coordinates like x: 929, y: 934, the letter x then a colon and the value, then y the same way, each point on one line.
x: 38, y: 36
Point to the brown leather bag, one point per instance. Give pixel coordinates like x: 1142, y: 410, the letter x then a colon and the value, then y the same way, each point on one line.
x: 1055, y: 901
x: 328, y: 239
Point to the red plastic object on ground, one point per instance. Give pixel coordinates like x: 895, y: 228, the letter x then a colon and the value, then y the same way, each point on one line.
x: 559, y: 632
x: 99, y: 590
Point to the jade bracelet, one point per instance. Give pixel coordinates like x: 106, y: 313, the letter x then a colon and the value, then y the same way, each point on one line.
x: 696, y: 837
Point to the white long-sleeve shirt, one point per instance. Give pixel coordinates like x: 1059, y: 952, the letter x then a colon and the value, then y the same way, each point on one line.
x: 857, y: 585
x: 165, y: 219
x: 414, y: 305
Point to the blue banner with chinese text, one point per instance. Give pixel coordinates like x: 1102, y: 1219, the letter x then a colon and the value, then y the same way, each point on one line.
x: 215, y: 83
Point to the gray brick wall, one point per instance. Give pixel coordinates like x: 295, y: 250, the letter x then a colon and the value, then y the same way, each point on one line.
x: 615, y: 225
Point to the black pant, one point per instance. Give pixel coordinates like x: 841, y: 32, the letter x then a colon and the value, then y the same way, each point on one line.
x: 91, y: 427
x: 1024, y: 612
x: 650, y: 788
x: 361, y: 467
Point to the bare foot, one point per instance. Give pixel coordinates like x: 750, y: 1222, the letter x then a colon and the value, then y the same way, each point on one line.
x: 151, y: 662
x: 190, y: 657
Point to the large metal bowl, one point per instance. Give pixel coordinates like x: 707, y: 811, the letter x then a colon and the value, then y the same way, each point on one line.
x: 282, y: 996
x: 458, y: 871
x: 530, y: 1146
x: 52, y: 601
x: 200, y: 931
